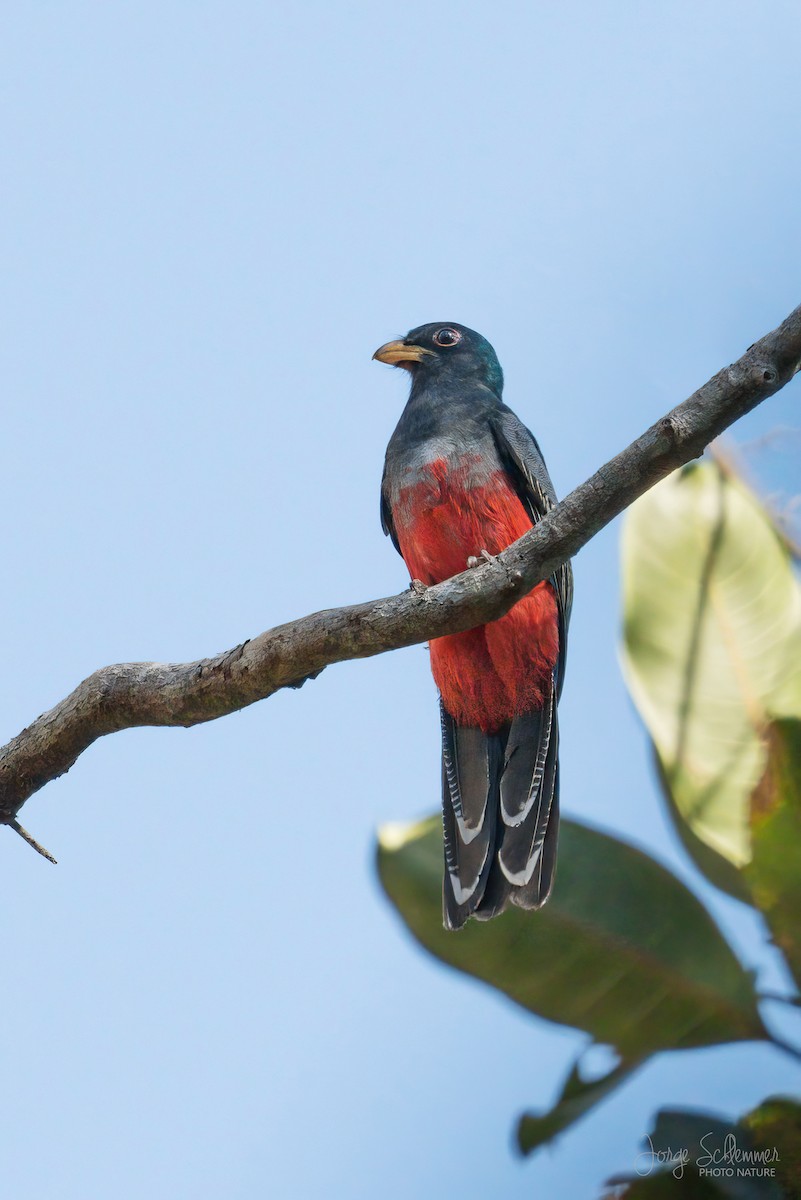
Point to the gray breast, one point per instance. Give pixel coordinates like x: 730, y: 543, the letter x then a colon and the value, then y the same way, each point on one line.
x: 410, y: 464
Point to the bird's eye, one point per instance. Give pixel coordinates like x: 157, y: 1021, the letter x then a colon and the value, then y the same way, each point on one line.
x: 447, y: 337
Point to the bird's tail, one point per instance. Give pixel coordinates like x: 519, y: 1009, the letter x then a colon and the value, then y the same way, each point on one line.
x: 500, y: 805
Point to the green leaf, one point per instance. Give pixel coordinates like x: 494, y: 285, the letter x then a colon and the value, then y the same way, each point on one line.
x: 712, y: 642
x: 710, y: 1141
x: 692, y: 1153
x: 685, y: 1154
x: 713, y: 866
x: 577, y: 1097
x: 776, y: 1124
x: 622, y: 950
x: 774, y: 873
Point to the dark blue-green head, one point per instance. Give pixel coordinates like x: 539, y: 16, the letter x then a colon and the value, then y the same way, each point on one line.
x: 444, y: 351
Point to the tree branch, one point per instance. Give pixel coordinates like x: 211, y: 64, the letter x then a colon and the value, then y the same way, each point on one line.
x: 133, y: 694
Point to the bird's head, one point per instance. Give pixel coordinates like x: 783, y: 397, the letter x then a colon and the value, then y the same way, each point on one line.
x: 444, y: 350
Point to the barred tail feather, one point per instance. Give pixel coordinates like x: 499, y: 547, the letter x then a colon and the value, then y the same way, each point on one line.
x: 471, y: 769
x: 529, y: 788
x: 529, y: 853
x: 500, y: 797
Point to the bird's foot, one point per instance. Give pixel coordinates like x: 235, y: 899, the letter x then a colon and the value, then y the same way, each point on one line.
x: 482, y: 557
x: 418, y: 587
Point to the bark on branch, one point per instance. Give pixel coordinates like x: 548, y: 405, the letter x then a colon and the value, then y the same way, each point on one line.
x: 132, y: 694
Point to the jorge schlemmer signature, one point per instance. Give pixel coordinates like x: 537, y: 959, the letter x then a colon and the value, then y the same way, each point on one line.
x: 713, y: 1157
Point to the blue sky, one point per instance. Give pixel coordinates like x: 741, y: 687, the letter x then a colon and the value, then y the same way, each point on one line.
x: 211, y: 216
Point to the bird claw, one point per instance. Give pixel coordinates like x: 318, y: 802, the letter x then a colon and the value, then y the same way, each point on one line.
x: 483, y: 556
x: 418, y: 587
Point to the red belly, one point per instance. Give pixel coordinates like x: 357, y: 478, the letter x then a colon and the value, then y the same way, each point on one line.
x: 488, y: 675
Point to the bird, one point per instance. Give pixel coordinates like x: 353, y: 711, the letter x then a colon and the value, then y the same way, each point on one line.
x: 464, y: 478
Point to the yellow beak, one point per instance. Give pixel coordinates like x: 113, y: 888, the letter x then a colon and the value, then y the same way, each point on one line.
x: 399, y: 354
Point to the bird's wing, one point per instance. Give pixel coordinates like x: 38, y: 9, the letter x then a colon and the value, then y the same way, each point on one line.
x: 387, y: 524
x: 529, y: 784
x: 523, y: 461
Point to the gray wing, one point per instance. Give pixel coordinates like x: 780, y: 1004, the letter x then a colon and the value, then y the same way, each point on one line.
x: 522, y: 458
x: 387, y: 524
x: 529, y: 785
